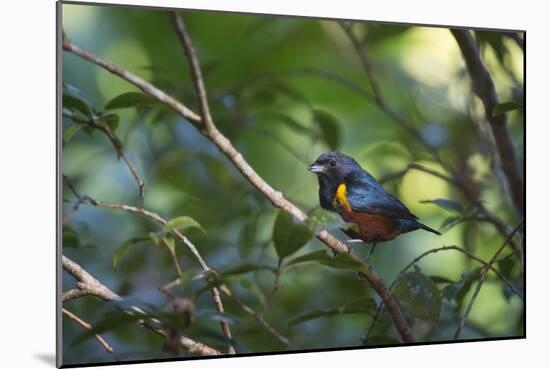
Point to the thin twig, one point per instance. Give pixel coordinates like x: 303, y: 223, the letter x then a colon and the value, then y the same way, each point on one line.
x: 92, y: 286
x: 259, y: 318
x: 484, y: 87
x: 88, y: 326
x: 482, y: 277
x: 364, y: 61
x: 117, y: 144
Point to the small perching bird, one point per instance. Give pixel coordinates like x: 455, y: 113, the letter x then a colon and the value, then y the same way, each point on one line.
x: 346, y: 188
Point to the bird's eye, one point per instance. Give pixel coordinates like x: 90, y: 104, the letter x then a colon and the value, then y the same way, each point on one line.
x: 332, y: 163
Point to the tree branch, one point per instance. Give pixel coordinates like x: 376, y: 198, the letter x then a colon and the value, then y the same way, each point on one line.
x: 133, y: 79
x: 88, y: 326
x: 275, y: 197
x: 92, y: 286
x: 482, y: 277
x: 132, y: 209
x: 484, y: 87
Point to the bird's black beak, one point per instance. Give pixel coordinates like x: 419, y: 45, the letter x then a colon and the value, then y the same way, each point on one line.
x: 316, y: 168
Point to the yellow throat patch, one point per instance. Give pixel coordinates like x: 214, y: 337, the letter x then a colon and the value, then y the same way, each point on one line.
x: 341, y: 198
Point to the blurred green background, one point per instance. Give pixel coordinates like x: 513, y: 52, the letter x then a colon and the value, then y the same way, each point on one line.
x: 281, y: 118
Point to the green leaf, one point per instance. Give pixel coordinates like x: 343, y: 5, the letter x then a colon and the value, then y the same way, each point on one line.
x: 245, y: 268
x: 362, y: 306
x: 291, y: 92
x: 380, y: 32
x: 183, y: 222
x: 320, y: 218
x: 111, y: 120
x: 70, y: 237
x: 456, y: 291
x: 131, y: 100
x: 439, y: 279
x: 506, y: 267
x: 123, y: 247
x: 317, y: 255
x: 506, y: 107
x: 73, y: 102
x: 446, y: 204
x: 247, y: 238
x: 419, y: 295
x: 70, y: 132
x: 290, y: 122
x: 330, y: 128
x: 111, y: 321
x: 344, y: 261
x: 451, y: 222
x: 289, y: 236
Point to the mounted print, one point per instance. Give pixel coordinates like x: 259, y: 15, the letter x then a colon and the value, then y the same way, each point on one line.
x: 254, y: 184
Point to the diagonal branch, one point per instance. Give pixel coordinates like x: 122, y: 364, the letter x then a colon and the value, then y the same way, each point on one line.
x: 275, y: 197
x: 92, y: 286
x: 484, y: 87
x: 133, y: 79
x: 482, y: 277
x: 88, y: 326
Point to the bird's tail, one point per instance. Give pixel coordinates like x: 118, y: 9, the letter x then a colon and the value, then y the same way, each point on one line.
x: 426, y: 228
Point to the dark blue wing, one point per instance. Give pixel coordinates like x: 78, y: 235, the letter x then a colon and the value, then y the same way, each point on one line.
x: 373, y: 199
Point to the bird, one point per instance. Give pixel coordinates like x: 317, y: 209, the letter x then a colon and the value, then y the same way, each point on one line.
x: 349, y: 190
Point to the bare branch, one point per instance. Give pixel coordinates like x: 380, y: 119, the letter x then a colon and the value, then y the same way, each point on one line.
x: 133, y: 79
x: 88, y: 326
x: 92, y: 286
x: 482, y: 277
x: 484, y: 87
x: 87, y: 282
x: 73, y: 294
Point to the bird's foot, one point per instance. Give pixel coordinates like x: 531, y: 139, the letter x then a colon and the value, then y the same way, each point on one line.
x: 349, y: 244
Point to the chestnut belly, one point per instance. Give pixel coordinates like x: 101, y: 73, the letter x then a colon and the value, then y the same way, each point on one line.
x: 371, y: 227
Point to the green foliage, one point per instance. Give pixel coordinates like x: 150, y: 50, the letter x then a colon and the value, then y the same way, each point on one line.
x: 419, y: 295
x: 288, y: 235
x: 132, y: 100
x: 182, y: 223
x: 361, y: 306
x: 446, y: 204
x: 506, y: 107
x: 124, y: 247
x: 329, y: 126
x: 76, y: 103
x: 456, y: 291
